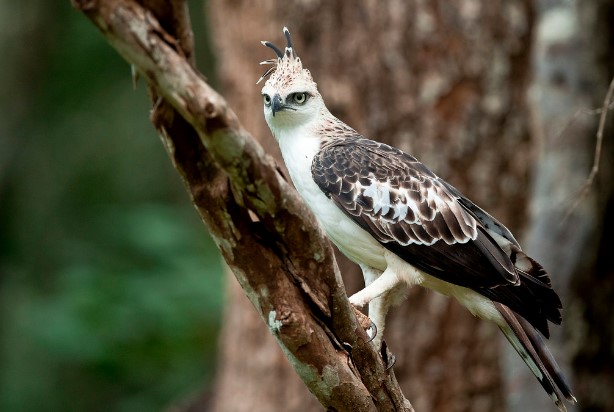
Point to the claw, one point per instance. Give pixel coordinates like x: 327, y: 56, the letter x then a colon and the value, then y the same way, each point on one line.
x: 387, y: 356
x: 366, y: 323
x: 391, y: 361
x: 371, y: 331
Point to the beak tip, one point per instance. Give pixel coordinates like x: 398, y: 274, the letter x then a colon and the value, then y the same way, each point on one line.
x: 277, y: 104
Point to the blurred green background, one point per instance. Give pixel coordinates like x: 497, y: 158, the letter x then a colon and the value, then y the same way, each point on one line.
x: 110, y: 289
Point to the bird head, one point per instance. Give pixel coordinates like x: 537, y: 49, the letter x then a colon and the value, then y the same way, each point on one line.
x: 290, y: 96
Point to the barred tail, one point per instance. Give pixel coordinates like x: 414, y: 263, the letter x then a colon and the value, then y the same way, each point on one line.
x: 531, y: 347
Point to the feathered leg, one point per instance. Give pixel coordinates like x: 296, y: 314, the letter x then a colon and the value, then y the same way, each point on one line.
x: 380, y: 299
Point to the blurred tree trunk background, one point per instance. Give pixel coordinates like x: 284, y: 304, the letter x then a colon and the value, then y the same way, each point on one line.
x: 444, y: 82
x: 571, y: 230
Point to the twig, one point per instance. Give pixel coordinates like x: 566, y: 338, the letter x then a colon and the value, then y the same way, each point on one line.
x: 585, y: 112
x: 603, y: 111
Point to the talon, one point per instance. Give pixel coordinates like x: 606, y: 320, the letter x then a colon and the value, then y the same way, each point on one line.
x: 391, y: 361
x: 367, y: 324
x: 387, y: 356
x: 371, y: 331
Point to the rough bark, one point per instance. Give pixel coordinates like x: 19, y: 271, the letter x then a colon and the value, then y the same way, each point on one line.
x: 571, y: 229
x: 445, y: 81
x: 263, y: 230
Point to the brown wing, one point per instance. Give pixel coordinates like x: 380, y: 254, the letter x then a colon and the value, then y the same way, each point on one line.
x: 429, y: 224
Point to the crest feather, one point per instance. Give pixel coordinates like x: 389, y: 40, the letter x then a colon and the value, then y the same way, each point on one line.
x: 287, y: 63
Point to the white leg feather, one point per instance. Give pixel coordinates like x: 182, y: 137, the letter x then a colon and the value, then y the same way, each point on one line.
x: 385, y: 282
x: 382, y: 290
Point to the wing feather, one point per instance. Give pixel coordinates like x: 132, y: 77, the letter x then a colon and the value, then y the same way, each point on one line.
x: 431, y: 225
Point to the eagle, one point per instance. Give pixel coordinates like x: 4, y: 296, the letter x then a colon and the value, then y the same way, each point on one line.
x: 404, y: 225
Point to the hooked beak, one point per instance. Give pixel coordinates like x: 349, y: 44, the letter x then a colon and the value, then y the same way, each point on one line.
x: 277, y: 105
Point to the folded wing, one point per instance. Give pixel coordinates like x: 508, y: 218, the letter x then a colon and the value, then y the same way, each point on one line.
x: 432, y: 226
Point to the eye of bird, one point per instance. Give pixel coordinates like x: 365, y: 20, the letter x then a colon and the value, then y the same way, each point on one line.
x: 299, y: 98
x: 267, y: 99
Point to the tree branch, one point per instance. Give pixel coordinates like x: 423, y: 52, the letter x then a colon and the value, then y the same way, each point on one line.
x: 263, y: 230
x: 586, y: 186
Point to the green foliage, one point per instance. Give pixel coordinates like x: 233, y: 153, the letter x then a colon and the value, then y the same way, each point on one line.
x: 110, y: 288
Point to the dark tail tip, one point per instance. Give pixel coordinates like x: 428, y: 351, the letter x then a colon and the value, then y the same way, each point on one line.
x: 531, y: 347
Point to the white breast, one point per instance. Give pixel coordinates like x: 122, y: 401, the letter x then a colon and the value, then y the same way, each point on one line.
x: 298, y: 149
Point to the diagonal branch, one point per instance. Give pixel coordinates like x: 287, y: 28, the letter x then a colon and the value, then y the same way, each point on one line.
x: 263, y: 230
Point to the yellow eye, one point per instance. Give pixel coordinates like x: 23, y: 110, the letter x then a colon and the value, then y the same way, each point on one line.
x: 267, y: 99
x: 300, y: 98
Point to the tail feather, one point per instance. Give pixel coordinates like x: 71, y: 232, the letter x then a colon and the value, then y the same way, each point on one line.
x: 547, y: 359
x: 532, y: 349
x: 538, y: 281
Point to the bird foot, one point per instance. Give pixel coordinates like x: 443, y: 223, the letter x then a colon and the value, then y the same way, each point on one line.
x: 366, y: 323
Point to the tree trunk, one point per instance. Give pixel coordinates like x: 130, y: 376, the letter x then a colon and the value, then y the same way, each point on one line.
x: 445, y: 82
x: 571, y: 230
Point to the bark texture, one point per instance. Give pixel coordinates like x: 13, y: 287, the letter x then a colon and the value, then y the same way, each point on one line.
x: 263, y: 230
x: 445, y: 81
